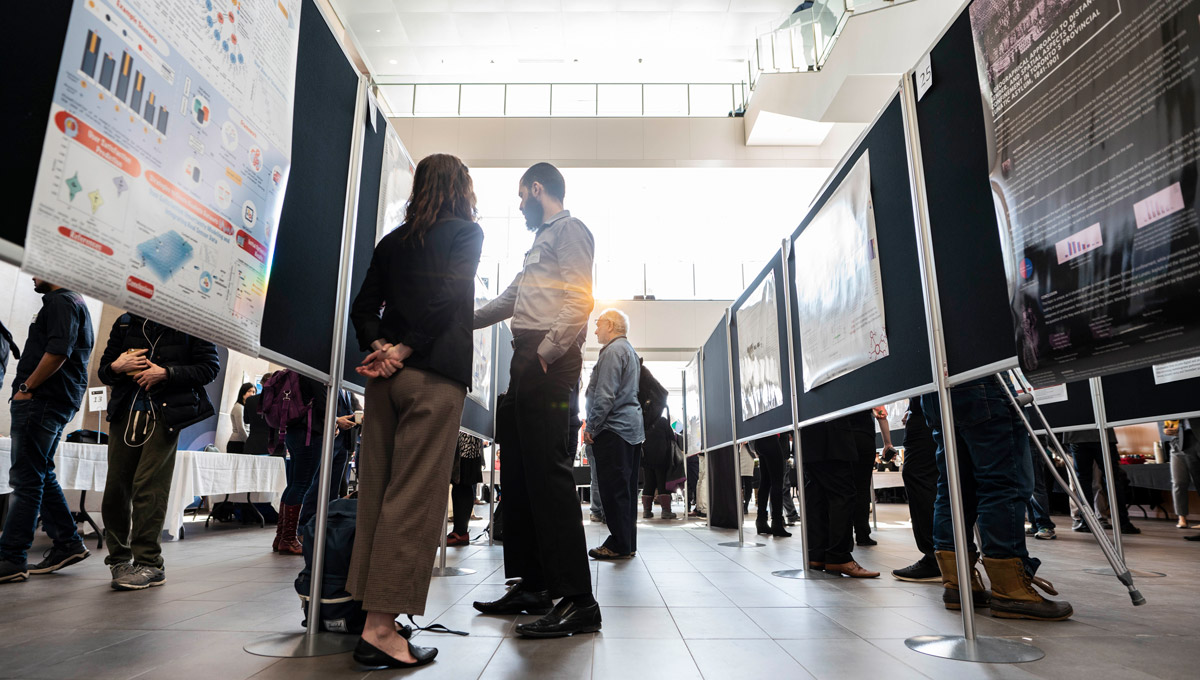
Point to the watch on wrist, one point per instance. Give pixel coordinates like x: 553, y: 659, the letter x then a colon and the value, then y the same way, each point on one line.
x: 24, y: 388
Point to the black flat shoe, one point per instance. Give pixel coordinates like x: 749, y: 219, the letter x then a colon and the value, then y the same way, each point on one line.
x: 780, y: 532
x: 375, y: 659
x: 567, y: 618
x: 518, y: 600
x: 868, y: 541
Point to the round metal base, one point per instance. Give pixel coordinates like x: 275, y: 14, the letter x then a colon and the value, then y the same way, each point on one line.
x: 451, y: 571
x: 735, y: 544
x: 810, y: 574
x: 980, y: 650
x: 1105, y: 571
x: 301, y: 645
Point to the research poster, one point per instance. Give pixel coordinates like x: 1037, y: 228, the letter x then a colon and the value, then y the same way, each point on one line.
x: 759, y: 367
x: 1094, y: 133
x: 395, y: 183
x: 166, y: 158
x: 481, y: 354
x: 692, y: 405
x: 839, y: 294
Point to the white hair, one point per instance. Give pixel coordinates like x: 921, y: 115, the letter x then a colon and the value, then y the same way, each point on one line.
x: 618, y: 319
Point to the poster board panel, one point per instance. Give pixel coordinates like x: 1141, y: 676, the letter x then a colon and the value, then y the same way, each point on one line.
x: 1135, y: 397
x: 718, y: 428
x: 692, y: 407
x: 364, y: 231
x: 907, y: 369
x: 762, y: 347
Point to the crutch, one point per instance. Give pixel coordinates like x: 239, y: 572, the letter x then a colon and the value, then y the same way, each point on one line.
x: 1018, y: 401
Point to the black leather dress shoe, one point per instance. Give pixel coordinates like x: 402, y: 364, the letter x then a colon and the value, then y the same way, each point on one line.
x: 375, y: 658
x: 518, y: 600
x: 567, y: 618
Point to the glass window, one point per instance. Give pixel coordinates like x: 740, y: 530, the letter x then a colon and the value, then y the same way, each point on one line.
x: 670, y: 280
x: 528, y: 100
x: 720, y: 280
x: 573, y: 100
x: 436, y: 100
x: 711, y: 100
x: 482, y: 100
x: 399, y: 98
x: 665, y: 100
x: 619, y: 100
x: 619, y: 280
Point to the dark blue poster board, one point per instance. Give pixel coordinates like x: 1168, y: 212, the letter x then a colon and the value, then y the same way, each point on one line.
x: 302, y: 291
x: 476, y: 417
x: 780, y: 416
x: 971, y: 275
x: 908, y: 366
x: 364, y: 234
x: 1074, y: 413
x: 1133, y: 397
x: 718, y: 426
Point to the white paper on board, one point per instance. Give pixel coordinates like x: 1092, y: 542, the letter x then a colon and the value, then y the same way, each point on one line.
x: 97, y: 399
x: 1050, y: 395
x: 481, y: 354
x: 1176, y: 371
x: 395, y: 183
x: 924, y: 75
x: 759, y: 366
x: 691, y: 404
x: 839, y: 291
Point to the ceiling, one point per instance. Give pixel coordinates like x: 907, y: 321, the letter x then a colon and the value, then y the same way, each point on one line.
x: 560, y: 41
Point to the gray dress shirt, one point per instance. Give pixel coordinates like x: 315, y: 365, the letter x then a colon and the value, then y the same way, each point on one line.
x: 612, y: 393
x: 553, y: 292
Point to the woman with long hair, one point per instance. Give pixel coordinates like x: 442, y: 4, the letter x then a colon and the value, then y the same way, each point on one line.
x: 237, y: 438
x: 414, y: 313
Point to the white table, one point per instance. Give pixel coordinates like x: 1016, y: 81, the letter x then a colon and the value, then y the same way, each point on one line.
x: 84, y: 467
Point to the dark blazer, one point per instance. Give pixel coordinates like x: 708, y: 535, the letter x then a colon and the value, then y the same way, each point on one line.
x: 191, y: 363
x: 257, y: 439
x: 833, y: 440
x: 426, y: 292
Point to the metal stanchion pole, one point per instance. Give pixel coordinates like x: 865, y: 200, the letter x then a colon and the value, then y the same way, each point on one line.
x: 737, y: 458
x: 968, y: 646
x: 803, y: 572
x: 492, y: 496
x: 313, y: 642
x: 1114, y: 512
x: 443, y: 570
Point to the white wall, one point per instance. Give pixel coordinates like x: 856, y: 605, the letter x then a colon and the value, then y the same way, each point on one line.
x: 239, y: 369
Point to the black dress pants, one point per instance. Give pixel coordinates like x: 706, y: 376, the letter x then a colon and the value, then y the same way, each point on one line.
x: 920, y: 475
x: 617, y: 466
x: 864, y: 467
x: 544, y: 543
x: 770, y: 481
x: 1088, y: 454
x: 829, y: 499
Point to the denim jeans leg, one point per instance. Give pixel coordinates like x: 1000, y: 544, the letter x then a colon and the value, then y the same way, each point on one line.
x: 36, y: 429
x: 597, y: 505
x: 943, y: 527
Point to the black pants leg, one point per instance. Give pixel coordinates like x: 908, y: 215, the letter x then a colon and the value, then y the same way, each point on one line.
x: 463, y: 499
x: 770, y: 485
x: 693, y: 478
x: 863, y: 469
x: 920, y: 486
x: 544, y: 540
x: 616, y: 463
x: 829, y: 498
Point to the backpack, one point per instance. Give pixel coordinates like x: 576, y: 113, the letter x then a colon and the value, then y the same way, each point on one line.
x: 340, y: 612
x: 283, y: 403
x: 651, y: 395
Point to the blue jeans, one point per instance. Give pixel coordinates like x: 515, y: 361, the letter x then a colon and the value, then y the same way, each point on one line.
x: 308, y: 507
x: 304, y: 459
x: 597, y: 508
x: 1038, y: 504
x: 995, y: 469
x: 37, y: 426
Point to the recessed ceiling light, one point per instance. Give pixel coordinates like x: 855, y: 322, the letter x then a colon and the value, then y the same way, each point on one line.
x: 379, y: 30
x: 392, y: 61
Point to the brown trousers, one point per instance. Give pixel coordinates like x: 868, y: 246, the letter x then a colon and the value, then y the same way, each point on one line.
x: 410, y: 430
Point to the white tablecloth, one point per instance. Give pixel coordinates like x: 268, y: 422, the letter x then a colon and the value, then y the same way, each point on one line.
x: 84, y: 467
x: 885, y: 480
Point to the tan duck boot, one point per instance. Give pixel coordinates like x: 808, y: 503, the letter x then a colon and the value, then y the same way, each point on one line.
x: 980, y: 596
x: 1013, y: 595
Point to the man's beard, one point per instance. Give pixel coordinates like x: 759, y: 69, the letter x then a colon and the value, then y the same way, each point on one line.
x: 534, y: 214
x: 42, y: 288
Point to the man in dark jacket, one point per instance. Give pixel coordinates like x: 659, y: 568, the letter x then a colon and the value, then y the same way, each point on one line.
x: 157, y: 376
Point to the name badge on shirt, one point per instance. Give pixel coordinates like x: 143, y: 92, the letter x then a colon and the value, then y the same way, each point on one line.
x: 533, y: 257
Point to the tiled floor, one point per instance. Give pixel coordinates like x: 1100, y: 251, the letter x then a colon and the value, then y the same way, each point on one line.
x: 684, y: 608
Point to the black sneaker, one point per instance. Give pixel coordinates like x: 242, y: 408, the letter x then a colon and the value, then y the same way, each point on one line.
x: 919, y: 572
x: 56, y: 558
x: 1081, y: 527
x: 1127, y: 529
x: 12, y: 572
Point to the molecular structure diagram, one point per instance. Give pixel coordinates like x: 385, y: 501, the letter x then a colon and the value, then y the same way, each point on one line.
x: 221, y: 22
x: 878, y: 344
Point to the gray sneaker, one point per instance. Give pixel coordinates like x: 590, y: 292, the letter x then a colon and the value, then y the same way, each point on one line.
x: 137, y: 577
x: 1045, y: 534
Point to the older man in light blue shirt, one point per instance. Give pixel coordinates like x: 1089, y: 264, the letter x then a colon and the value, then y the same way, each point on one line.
x: 614, y: 429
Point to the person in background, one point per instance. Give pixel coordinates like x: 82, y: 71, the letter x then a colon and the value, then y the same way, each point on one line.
x: 237, y: 418
x: 1037, y: 507
x: 615, y: 429
x: 864, y: 468
x: 701, y: 486
x: 746, y: 464
x: 596, y: 508
x: 302, y: 439
x: 920, y: 475
x: 467, y: 473
x: 996, y: 477
x: 258, y: 433
x: 771, y: 453
x: 791, y: 483
x: 656, y: 465
x: 48, y: 387
x: 1085, y: 449
x: 1184, y: 446
x: 549, y: 303
x: 414, y: 313
x: 157, y: 375
x: 693, y: 484
x: 343, y: 446
x: 830, y: 451
x: 7, y: 346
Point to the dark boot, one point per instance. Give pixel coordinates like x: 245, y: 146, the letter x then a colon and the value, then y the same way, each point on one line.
x: 664, y: 501
x: 288, y: 542
x: 1013, y: 595
x: 760, y: 522
x: 947, y: 562
x: 647, y: 507
x: 777, y: 526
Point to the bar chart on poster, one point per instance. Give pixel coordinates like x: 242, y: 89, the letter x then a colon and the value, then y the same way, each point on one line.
x: 165, y: 160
